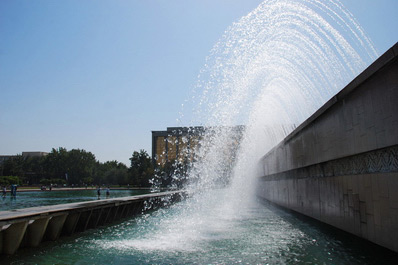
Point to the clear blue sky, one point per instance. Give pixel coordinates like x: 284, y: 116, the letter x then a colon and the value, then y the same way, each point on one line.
x: 100, y: 75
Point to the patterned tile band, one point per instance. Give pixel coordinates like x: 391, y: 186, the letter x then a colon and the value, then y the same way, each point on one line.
x: 377, y: 161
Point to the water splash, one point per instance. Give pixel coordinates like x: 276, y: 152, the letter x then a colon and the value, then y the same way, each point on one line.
x: 270, y: 71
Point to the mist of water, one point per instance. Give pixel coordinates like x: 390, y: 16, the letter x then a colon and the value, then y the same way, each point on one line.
x: 270, y: 71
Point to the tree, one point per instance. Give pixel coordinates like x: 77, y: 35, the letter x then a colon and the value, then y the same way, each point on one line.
x: 112, y: 172
x: 81, y: 164
x: 14, y: 166
x: 56, y: 164
x: 116, y: 176
x: 88, y: 180
x: 76, y: 164
x: 8, y: 180
x: 33, y: 169
x: 141, y: 169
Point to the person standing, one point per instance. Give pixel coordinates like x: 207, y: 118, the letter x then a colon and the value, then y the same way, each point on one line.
x: 13, y: 190
x: 99, y: 192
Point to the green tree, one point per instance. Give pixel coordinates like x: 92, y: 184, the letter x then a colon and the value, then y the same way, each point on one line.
x: 81, y: 164
x: 111, y: 172
x: 45, y: 181
x: 14, y: 166
x: 141, y: 169
x: 88, y: 180
x: 33, y: 169
x: 76, y: 164
x: 29, y: 169
x: 56, y: 163
x: 8, y: 180
x: 117, y: 176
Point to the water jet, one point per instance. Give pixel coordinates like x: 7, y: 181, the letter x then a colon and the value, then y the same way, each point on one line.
x: 271, y: 70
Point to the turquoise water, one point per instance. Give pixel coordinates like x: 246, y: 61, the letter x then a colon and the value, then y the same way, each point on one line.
x: 274, y: 67
x: 259, y: 234
x: 41, y: 198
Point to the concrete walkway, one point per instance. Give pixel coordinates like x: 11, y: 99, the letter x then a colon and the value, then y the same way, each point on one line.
x: 31, y: 226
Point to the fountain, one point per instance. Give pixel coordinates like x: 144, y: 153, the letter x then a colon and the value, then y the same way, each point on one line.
x: 270, y: 70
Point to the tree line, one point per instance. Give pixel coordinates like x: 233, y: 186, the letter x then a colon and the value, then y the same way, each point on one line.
x: 78, y: 167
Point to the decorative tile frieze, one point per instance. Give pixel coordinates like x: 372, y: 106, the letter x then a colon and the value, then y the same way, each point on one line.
x: 377, y: 161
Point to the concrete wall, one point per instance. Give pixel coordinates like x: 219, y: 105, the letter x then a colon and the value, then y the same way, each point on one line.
x: 341, y: 165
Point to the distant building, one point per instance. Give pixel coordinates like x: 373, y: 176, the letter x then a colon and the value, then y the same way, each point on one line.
x: 31, y: 177
x: 34, y: 154
x: 3, y: 158
x: 182, y: 143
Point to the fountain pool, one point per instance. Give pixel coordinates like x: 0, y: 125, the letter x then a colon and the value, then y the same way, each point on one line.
x: 40, y: 198
x: 260, y: 234
x: 270, y: 71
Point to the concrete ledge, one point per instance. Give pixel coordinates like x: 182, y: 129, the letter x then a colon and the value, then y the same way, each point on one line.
x: 30, y: 226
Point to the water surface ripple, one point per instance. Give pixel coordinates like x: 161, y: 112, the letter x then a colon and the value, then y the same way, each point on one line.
x: 260, y: 234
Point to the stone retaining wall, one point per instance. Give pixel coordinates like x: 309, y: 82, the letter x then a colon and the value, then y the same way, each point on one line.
x: 341, y: 165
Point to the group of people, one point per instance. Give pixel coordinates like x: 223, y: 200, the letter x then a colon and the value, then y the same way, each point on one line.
x: 108, y: 192
x: 13, y: 191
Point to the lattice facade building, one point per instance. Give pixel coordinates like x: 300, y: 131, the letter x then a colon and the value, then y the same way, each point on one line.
x: 183, y: 143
